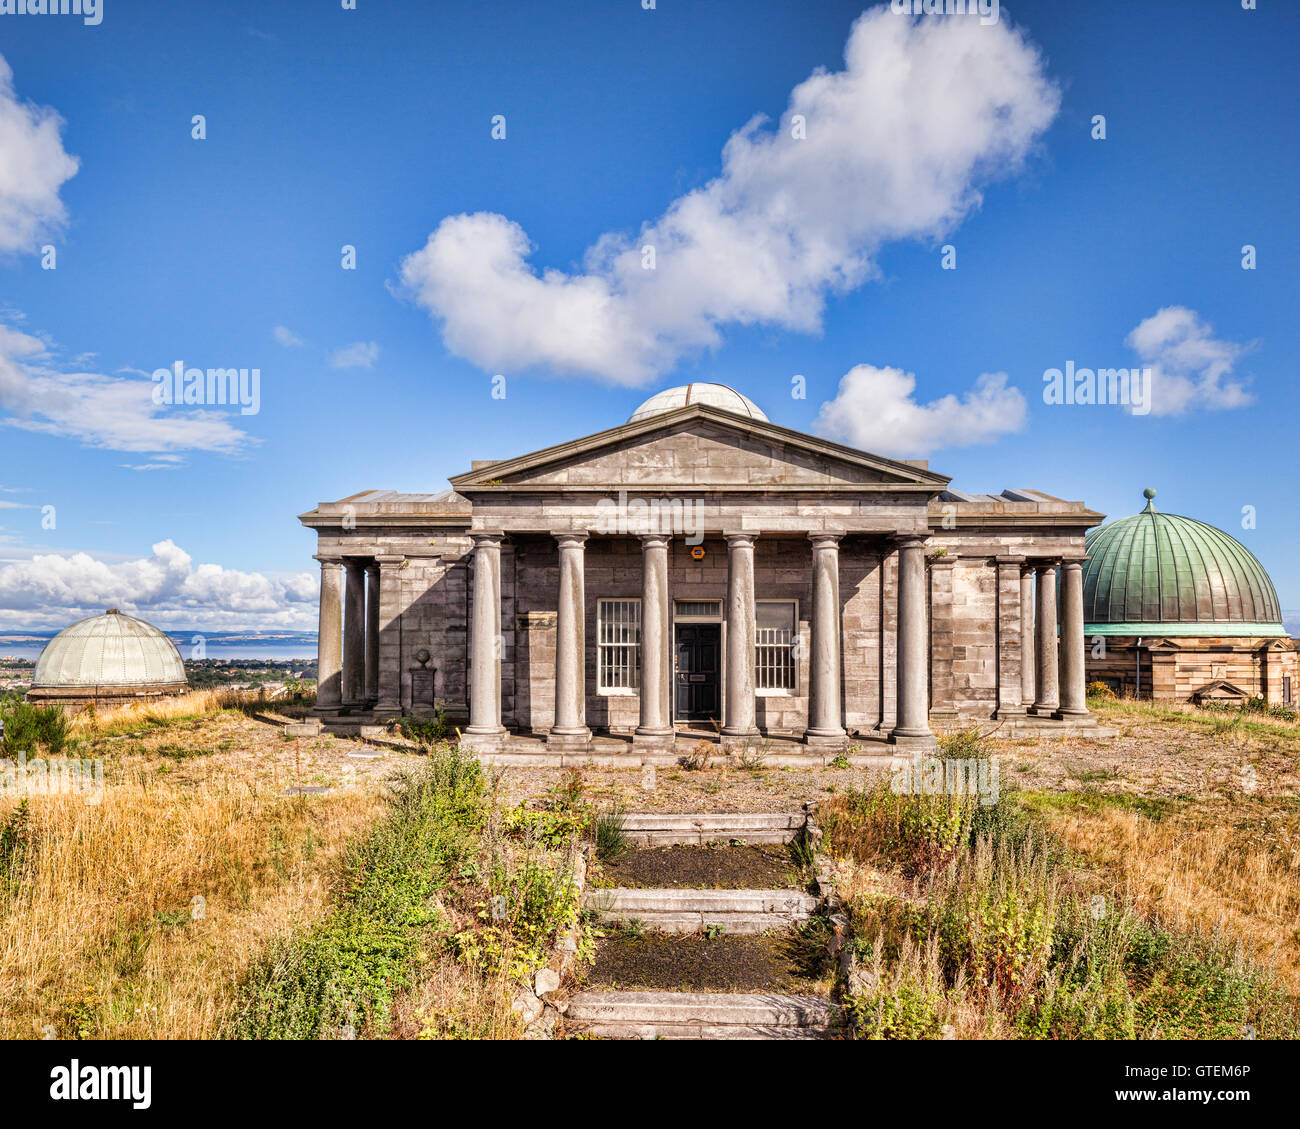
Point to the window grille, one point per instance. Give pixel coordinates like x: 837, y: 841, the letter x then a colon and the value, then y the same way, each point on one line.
x: 699, y: 608
x: 774, y: 653
x: 618, y: 644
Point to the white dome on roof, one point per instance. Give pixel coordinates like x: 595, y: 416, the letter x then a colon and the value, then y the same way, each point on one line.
x: 717, y: 395
x: 109, y: 650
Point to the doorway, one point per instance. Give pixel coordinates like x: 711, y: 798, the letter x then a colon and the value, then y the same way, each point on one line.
x: 698, y: 651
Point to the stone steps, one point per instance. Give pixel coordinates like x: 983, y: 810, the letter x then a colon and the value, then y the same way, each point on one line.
x: 699, y: 1015
x: 693, y: 911
x: 666, y: 829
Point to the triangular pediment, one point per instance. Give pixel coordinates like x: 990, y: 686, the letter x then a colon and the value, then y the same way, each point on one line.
x: 697, y: 447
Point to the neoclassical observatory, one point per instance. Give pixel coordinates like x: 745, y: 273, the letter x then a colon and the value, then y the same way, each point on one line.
x: 1181, y: 611
x: 107, y: 660
x: 702, y: 567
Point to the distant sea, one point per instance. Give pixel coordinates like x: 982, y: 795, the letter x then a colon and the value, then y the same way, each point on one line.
x: 279, y: 650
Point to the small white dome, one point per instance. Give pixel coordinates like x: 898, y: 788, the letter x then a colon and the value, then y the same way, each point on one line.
x: 109, y: 650
x: 718, y: 395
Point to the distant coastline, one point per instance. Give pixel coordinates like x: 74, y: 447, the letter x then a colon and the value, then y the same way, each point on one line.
x: 274, y: 645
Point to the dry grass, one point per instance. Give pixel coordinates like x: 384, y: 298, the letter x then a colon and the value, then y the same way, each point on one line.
x: 161, y: 711
x: 1210, y: 867
x: 97, y: 937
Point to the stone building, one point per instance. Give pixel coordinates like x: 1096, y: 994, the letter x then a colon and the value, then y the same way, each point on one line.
x: 107, y: 660
x: 702, y: 566
x: 1178, y: 610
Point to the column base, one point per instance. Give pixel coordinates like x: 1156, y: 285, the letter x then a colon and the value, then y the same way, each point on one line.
x: 913, y: 739
x: 1071, y: 715
x: 387, y: 711
x: 732, y: 741
x: 822, y: 739
x: 1009, y: 713
x: 654, y: 740
x: 484, y: 739
x: 569, y: 740
x: 1046, y: 709
x: 327, y: 711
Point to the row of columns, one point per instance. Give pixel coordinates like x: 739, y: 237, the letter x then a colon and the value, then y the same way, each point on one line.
x: 348, y: 643
x: 655, y: 727
x: 1052, y: 677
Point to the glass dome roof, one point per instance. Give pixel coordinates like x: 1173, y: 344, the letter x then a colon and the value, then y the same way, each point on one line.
x: 719, y: 395
x: 109, y: 650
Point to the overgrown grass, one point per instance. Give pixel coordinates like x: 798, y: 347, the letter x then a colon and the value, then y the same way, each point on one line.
x: 974, y: 921
x: 447, y: 876
x: 1248, y: 720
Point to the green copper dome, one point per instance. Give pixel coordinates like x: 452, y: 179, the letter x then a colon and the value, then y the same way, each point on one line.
x: 1161, y: 574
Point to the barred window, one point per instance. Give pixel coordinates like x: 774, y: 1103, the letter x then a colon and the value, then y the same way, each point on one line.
x: 618, y: 644
x: 1286, y: 690
x: 699, y: 608
x: 774, y: 658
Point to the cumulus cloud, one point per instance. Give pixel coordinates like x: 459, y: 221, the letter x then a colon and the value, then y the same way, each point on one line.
x: 166, y: 588
x: 33, y: 167
x: 360, y: 354
x: 113, y: 412
x: 1190, y: 367
x: 875, y: 410
x: 286, y: 337
x: 894, y: 146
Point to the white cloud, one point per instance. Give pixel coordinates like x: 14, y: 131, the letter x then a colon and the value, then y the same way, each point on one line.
x: 287, y: 337
x: 875, y: 411
x: 1190, y: 368
x: 113, y: 412
x: 360, y: 354
x: 33, y: 167
x: 166, y: 588
x: 897, y: 144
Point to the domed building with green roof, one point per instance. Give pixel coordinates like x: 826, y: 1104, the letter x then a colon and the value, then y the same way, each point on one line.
x: 1176, y: 609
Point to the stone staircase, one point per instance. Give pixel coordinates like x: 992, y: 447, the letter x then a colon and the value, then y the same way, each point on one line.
x: 738, y: 912
x: 700, y: 1015
x: 688, y: 1014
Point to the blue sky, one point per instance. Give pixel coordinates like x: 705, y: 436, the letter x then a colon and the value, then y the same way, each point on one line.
x: 371, y: 127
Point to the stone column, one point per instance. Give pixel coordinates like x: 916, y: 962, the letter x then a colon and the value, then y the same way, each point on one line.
x: 1028, y: 657
x: 1048, y: 696
x: 485, y: 731
x: 739, y: 710
x: 1074, y: 693
x: 388, y: 634
x: 354, y: 634
x: 912, y: 726
x: 372, y: 633
x: 570, y: 732
x: 825, y: 708
x: 656, y: 728
x: 1009, y: 638
x: 329, y: 644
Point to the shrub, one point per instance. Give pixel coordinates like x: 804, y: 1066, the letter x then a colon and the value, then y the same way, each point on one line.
x: 28, y: 727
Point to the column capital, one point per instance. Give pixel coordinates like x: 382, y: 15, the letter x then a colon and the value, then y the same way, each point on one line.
x: 570, y: 537
x: 325, y: 559
x: 1009, y: 559
x: 654, y: 540
x: 911, y: 540
x: 740, y: 537
x: 1043, y: 564
x: 389, y: 560
x: 486, y: 537
x: 1073, y: 562
x: 825, y: 538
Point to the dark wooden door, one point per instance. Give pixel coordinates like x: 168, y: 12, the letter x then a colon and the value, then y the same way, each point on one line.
x: 698, y: 651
